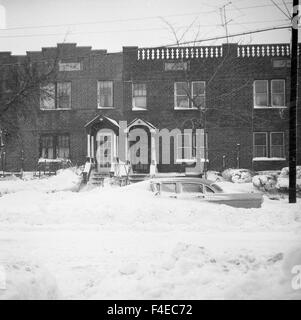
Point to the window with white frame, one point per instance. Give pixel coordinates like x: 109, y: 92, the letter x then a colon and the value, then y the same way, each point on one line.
x: 182, y: 94
x: 260, y: 145
x: 139, y: 94
x: 189, y: 95
x: 278, y: 93
x: 198, y: 94
x: 277, y: 145
x: 269, y: 145
x: 56, y: 96
x: 105, y: 94
x: 269, y: 93
x: 261, y: 93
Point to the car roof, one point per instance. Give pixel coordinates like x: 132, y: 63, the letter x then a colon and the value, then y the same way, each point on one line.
x: 183, y: 179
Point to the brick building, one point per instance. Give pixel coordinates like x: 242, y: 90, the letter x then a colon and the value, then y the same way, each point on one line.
x: 106, y: 107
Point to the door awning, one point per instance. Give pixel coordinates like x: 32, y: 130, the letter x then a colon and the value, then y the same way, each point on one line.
x: 99, y: 118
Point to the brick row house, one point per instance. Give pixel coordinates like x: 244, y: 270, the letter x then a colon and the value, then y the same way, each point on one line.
x: 160, y: 109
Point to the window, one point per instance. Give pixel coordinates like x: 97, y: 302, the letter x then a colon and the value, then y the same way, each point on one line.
x: 189, y: 95
x: 182, y: 95
x: 260, y: 145
x: 269, y: 145
x: 209, y: 190
x: 139, y: 96
x: 175, y: 66
x: 192, y: 188
x: 198, y: 94
x: 261, y: 93
x: 47, y: 147
x: 169, y: 187
x: 277, y: 145
x: 63, y: 146
x: 264, y: 98
x: 63, y: 98
x: 55, y: 146
x: 47, y: 98
x: 278, y: 93
x: 105, y: 94
x: 56, y: 96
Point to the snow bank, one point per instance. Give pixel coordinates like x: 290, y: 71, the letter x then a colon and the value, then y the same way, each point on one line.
x: 68, y: 179
x: 237, y: 175
x: 27, y: 281
x: 135, y: 208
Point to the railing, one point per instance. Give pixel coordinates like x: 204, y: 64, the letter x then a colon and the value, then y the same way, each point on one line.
x: 266, y: 50
x: 179, y: 53
x: 242, y: 51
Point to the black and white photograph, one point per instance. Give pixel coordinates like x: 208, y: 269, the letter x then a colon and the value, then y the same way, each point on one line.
x: 150, y: 150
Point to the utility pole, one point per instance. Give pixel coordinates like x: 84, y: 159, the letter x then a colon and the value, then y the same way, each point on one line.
x: 293, y: 105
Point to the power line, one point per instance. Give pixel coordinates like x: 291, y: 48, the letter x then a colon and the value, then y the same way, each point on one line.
x: 189, y: 42
x: 133, y: 19
x: 128, y: 30
x: 233, y: 35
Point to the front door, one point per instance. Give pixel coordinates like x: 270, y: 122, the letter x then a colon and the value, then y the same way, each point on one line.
x: 104, y: 153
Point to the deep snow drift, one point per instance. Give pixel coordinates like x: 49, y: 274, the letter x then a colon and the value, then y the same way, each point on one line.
x: 125, y: 243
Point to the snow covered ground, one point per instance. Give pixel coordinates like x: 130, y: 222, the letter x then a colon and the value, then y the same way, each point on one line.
x: 123, y: 243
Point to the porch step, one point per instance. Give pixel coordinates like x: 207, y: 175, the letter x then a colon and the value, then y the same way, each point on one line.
x: 97, y: 178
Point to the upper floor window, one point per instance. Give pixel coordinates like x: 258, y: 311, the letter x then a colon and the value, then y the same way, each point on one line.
x: 56, y: 96
x: 278, y: 93
x: 189, y: 95
x: 63, y: 100
x: 269, y: 93
x: 261, y: 93
x: 105, y: 94
x: 139, y: 96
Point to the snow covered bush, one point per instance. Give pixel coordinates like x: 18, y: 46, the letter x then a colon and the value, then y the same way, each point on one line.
x: 285, y: 172
x: 214, y: 176
x: 283, y: 180
x: 265, y: 182
x: 237, y: 175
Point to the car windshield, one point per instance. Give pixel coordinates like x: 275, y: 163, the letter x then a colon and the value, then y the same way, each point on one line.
x: 216, y: 187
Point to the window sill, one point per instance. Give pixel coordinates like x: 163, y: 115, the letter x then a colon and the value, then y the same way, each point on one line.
x: 105, y: 108
x: 270, y: 107
x: 139, y: 109
x: 186, y: 109
x: 191, y: 160
x: 57, y: 109
x: 268, y: 159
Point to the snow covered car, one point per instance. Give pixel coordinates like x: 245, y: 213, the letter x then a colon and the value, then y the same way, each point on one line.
x: 204, y: 190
